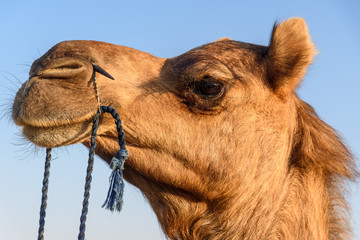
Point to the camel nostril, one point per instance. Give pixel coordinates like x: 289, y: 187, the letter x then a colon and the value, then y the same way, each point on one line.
x: 68, y: 66
x: 63, y: 68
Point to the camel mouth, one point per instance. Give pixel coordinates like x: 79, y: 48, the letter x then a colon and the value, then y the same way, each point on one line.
x: 45, y: 131
x: 59, y: 133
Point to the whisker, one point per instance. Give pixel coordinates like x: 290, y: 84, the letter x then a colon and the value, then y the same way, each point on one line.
x: 25, y: 64
x: 24, y: 147
x: 19, y: 82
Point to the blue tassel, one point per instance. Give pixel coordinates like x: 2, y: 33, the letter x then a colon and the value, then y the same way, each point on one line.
x: 114, y: 197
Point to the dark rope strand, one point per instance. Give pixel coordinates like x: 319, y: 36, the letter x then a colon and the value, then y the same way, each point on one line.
x: 121, y: 135
x: 88, y: 177
x: 119, y: 128
x: 44, y: 194
x: 114, y: 199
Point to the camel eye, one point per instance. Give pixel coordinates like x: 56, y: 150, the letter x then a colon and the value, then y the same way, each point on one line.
x: 208, y: 87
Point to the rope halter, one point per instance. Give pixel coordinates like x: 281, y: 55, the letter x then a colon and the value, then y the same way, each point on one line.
x: 115, y: 194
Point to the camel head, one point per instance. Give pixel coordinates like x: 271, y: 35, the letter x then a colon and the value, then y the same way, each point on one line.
x: 219, y: 142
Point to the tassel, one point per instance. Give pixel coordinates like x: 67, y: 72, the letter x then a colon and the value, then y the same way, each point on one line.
x: 114, y: 197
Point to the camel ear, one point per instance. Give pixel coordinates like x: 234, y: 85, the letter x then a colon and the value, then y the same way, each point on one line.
x: 290, y: 53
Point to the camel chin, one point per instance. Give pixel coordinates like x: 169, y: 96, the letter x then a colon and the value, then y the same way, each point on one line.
x: 57, y: 136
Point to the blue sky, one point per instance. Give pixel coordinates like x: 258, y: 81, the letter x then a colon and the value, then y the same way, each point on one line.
x: 166, y: 29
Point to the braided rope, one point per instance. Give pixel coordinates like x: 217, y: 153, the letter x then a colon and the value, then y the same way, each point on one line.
x: 44, y: 194
x: 88, y: 178
x: 119, y: 128
x: 114, y: 199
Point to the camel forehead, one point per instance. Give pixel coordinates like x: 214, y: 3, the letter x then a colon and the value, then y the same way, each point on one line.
x: 233, y: 55
x: 225, y: 51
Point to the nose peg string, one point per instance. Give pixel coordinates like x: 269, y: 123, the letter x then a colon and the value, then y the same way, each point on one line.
x: 97, y: 68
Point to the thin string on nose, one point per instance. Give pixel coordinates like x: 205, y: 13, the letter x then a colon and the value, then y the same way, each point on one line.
x: 114, y: 197
x: 96, y: 90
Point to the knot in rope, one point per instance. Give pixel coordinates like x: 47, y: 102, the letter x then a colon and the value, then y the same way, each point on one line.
x: 118, y: 160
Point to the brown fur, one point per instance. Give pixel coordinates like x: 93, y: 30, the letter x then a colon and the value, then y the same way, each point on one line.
x: 219, y: 142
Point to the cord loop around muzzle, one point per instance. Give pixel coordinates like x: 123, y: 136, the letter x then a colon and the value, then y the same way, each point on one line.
x: 116, y: 190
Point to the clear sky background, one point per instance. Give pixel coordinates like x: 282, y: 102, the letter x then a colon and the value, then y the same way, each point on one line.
x: 166, y: 29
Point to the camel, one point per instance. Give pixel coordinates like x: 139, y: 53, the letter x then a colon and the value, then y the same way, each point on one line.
x: 219, y: 142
